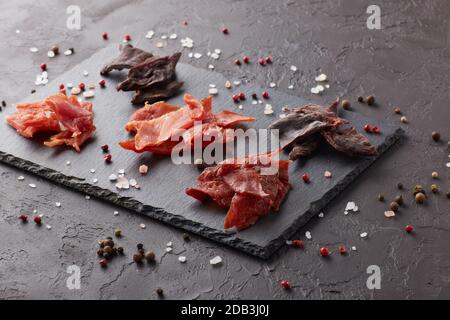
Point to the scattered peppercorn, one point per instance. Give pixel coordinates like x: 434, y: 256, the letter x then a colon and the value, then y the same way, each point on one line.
x: 434, y: 175
x: 186, y: 237
x: 237, y: 62
x: 403, y: 119
x: 345, y: 104
x: 376, y: 130
x: 242, y: 96
x: 127, y: 37
x: 246, y: 59
x: 394, y: 206
x: 420, y: 197
x: 434, y: 188
x: 137, y: 257
x: 118, y: 233
x: 105, y: 148
x: 367, y: 128
x: 254, y: 96
x: 380, y: 197
x: 418, y: 189
x: 108, y: 158
x: 225, y: 30
x: 265, y: 95
x: 342, y: 249
x: 120, y: 250
x: 235, y: 98
x: 285, y: 284
x: 103, y: 263
x: 55, y: 50
x: 139, y: 246
x: 324, y: 252
x: 305, y: 178
x: 43, y: 67
x: 448, y: 194
x: 33, y: 91
x: 399, y: 200
x: 150, y: 256
x: 159, y: 292
x: 361, y: 99
x: 262, y: 61
x: 37, y: 220
x: 100, y: 252
x: 400, y: 186
x: 82, y: 86
x: 105, y: 35
x: 409, y: 228
x: 269, y: 59
x: 448, y: 145
x: 370, y: 100
x: 436, y: 136
x: 102, y: 83
x: 298, y: 243
x: 397, y: 110
x: 24, y: 218
x: 3, y: 103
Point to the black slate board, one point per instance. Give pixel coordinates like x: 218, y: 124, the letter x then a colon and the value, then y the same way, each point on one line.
x: 162, y: 194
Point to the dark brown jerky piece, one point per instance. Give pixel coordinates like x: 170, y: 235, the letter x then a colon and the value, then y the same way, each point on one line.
x: 151, y: 72
x: 305, y: 147
x: 128, y: 58
x: 298, y: 126
x: 157, y: 93
x: 346, y: 139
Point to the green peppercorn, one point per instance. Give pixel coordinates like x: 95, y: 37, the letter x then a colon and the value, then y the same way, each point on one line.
x: 140, y: 246
x: 138, y: 258
x: 120, y: 250
x: 186, y: 237
x: 159, y: 292
x: 399, y: 200
x: 434, y: 188
x: 118, y: 233
x: 370, y: 100
x: 380, y: 197
x: 345, y: 104
x: 420, y: 197
x: 436, y: 136
x: 361, y: 99
x: 150, y: 256
x: 394, y: 206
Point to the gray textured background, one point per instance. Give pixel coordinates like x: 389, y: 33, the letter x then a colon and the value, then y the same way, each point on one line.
x: 406, y: 64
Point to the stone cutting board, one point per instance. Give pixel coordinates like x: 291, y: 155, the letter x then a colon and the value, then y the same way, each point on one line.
x: 162, y: 195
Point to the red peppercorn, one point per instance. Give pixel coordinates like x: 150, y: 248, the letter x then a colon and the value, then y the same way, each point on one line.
x: 103, y: 263
x: 127, y: 37
x: 246, y: 59
x: 305, y: 178
x: 242, y: 96
x: 265, y: 95
x: 236, y: 98
x: 409, y: 228
x: 397, y: 110
x: 185, y: 23
x: 298, y: 243
x: 61, y: 86
x: 105, y: 35
x: 225, y: 30
x: 108, y: 158
x: 262, y: 61
x: 102, y: 83
x: 269, y: 59
x: 82, y: 86
x: 37, y: 220
x: 342, y: 249
x: 367, y: 128
x: 376, y: 130
x: 24, y: 218
x: 285, y: 284
x: 324, y: 252
x: 43, y: 67
x: 237, y: 62
x: 105, y: 148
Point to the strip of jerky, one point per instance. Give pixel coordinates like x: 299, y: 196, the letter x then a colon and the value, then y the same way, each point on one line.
x: 153, y: 71
x: 298, y: 126
x: 128, y: 58
x: 305, y: 147
x: 346, y: 139
x: 156, y: 93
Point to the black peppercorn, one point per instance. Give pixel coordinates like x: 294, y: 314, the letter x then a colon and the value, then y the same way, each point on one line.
x: 100, y: 253
x: 394, y: 206
x: 380, y: 197
x: 400, y: 186
x: 140, y: 246
x: 436, y: 136
x: 109, y: 243
x: 120, y: 250
x: 159, y: 291
x: 3, y: 103
x: 150, y: 256
x: 254, y: 96
x: 186, y: 237
x: 370, y: 100
x: 360, y: 99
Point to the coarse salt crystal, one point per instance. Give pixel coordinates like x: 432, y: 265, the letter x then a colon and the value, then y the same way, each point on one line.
x: 240, y: 107
x: 49, y: 227
x: 197, y: 55
x: 321, y: 77
x: 173, y: 36
x: 58, y: 204
x: 92, y: 170
x: 182, y: 259
x: 121, y: 171
x: 213, y: 91
x: 50, y: 54
x: 150, y: 34
x: 215, y: 261
x: 363, y: 235
x: 116, y: 213
x: 112, y: 177
x: 143, y: 169
x: 327, y: 174
x: 68, y: 163
x: 389, y: 214
x: 169, y: 244
x: 211, y: 67
x: 308, y: 235
x: 321, y: 215
x: 228, y: 84
x: 142, y: 226
x: 290, y: 87
x: 215, y: 56
x: 164, y: 37
x: 272, y: 84
x: 68, y: 52
x: 236, y: 82
x: 354, y: 248
x: 293, y: 68
x: 20, y: 178
x: 168, y: 249
x: 122, y: 183
x: 32, y: 185
x: 95, y: 180
x: 34, y: 49
x: 159, y: 44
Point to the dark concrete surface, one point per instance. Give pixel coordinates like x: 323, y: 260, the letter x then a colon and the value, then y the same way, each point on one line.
x: 406, y: 63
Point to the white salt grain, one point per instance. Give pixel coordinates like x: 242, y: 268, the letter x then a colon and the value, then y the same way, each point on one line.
x: 182, y: 259
x: 363, y: 235
x: 58, y: 204
x: 143, y: 169
x: 34, y: 49
x: 32, y: 185
x: 293, y: 68
x: 321, y: 215
x: 327, y: 174
x: 116, y: 213
x: 20, y: 178
x: 213, y: 91
x: 142, y: 226
x: 87, y: 197
x: 112, y: 177
x: 168, y: 249
x: 215, y: 261
x: 389, y: 214
x: 308, y: 235
x: 321, y: 77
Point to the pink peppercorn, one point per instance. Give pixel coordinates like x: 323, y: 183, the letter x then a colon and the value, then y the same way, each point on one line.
x: 409, y: 228
x: 324, y: 252
x: 102, y: 83
x: 305, y: 178
x: 105, y: 148
x: 246, y: 59
x: 108, y: 158
x: 298, y: 243
x: 103, y: 263
x: 242, y: 96
x: 82, y: 86
x: 37, y: 220
x: 342, y: 249
x: 237, y: 62
x: 61, y: 86
x: 397, y: 110
x: 225, y: 30
x: 43, y: 67
x: 105, y: 35
x: 367, y: 128
x: 265, y: 95
x: 127, y: 37
x: 262, y: 61
x: 285, y: 284
x: 24, y: 218
x: 269, y: 59
x: 236, y: 98
x: 376, y: 130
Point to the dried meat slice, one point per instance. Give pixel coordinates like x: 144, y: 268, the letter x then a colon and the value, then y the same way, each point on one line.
x: 128, y: 58
x: 157, y: 92
x: 304, y: 148
x: 347, y: 140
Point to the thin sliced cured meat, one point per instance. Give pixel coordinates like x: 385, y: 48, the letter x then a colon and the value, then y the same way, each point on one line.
x: 128, y: 58
x: 153, y: 111
x: 242, y: 186
x: 227, y: 118
x: 71, y: 119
